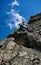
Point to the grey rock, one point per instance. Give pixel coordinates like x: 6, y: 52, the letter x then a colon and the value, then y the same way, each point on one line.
x: 23, y: 47
x: 14, y: 54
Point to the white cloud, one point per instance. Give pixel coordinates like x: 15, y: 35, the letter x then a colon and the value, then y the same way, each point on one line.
x: 10, y: 25
x: 15, y: 18
x: 10, y: 12
x: 14, y: 3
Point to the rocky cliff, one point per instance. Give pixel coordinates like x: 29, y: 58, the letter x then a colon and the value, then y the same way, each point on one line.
x: 23, y: 47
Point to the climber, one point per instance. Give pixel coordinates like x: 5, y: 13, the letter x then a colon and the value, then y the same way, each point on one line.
x: 23, y: 26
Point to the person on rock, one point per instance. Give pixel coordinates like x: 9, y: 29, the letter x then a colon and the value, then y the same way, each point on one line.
x: 23, y: 26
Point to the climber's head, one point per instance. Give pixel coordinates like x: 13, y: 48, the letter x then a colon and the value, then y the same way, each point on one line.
x: 24, y: 22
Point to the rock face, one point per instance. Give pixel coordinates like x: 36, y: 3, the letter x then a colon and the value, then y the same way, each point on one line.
x: 23, y: 47
x: 13, y: 54
x: 31, y: 37
x: 34, y: 27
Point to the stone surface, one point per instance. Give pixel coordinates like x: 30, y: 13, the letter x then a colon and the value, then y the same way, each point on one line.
x: 23, y: 47
x: 14, y: 54
x: 32, y: 37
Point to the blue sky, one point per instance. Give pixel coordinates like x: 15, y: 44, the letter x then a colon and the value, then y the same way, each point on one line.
x: 13, y: 12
